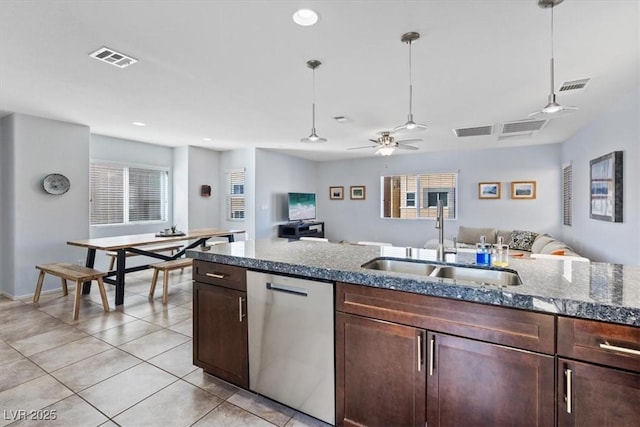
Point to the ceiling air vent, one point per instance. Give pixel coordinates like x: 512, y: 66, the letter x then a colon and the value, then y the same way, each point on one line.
x: 574, y: 84
x: 522, y: 127
x: 112, y: 57
x: 475, y: 131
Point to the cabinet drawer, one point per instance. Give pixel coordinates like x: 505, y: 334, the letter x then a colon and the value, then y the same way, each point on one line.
x: 599, y: 342
x: 500, y: 325
x: 228, y: 276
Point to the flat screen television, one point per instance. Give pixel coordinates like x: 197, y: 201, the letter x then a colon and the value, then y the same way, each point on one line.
x: 302, y: 206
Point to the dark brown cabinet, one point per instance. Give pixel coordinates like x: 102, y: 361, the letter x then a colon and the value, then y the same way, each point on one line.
x: 472, y: 383
x: 380, y: 371
x: 220, y: 323
x: 602, y: 388
x: 388, y: 357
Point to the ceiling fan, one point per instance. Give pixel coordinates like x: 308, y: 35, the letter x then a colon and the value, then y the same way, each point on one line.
x: 386, y: 144
x: 552, y: 109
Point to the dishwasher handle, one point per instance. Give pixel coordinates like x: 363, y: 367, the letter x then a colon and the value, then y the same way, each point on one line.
x: 287, y: 289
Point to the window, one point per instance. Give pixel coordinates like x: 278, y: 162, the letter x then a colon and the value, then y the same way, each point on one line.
x: 567, y: 183
x: 416, y: 196
x: 123, y: 194
x: 235, y: 196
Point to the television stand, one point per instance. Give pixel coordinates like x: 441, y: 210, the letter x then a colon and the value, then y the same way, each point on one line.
x: 295, y: 230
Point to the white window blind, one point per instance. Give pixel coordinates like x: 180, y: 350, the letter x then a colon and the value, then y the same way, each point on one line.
x: 235, y: 194
x: 567, y: 193
x: 122, y: 194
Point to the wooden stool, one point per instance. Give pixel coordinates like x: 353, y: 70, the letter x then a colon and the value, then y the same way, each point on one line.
x: 166, y: 267
x: 77, y: 273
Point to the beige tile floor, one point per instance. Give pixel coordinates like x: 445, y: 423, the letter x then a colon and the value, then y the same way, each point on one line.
x: 129, y: 367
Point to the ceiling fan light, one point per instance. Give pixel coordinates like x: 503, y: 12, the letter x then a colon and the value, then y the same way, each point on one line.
x: 552, y: 108
x: 385, y: 151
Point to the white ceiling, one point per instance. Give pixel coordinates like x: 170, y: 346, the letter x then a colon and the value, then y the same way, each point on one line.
x: 236, y: 71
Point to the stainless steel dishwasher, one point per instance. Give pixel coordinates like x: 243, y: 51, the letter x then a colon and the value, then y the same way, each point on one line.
x: 291, y: 356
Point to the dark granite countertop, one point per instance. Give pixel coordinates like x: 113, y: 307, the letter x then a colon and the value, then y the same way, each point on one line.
x: 597, y: 291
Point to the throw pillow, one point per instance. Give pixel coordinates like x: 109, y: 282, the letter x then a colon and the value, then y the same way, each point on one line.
x: 522, y: 240
x: 540, y: 242
x: 558, y: 252
x: 555, y: 246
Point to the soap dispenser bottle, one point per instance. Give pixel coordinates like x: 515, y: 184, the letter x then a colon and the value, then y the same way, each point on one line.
x: 483, y: 252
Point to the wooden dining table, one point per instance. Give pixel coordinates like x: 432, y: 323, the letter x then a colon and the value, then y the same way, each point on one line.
x: 136, y: 243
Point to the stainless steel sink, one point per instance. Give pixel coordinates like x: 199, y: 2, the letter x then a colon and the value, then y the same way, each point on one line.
x: 495, y: 277
x: 399, y: 266
x: 454, y: 272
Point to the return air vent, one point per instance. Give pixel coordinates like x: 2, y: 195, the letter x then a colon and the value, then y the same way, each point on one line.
x: 475, y: 131
x: 112, y: 57
x: 522, y: 127
x: 574, y: 85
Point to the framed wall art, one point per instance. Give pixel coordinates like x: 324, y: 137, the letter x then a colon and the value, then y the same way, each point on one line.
x: 336, y: 193
x: 606, y: 187
x: 357, y: 192
x: 523, y: 190
x: 488, y: 190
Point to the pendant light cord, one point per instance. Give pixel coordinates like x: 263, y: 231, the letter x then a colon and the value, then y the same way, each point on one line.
x: 313, y: 99
x: 410, y: 82
x: 552, y: 60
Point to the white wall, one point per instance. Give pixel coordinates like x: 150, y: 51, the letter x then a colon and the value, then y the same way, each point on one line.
x: 239, y: 159
x: 353, y: 220
x: 276, y: 175
x: 181, y: 188
x: 109, y: 149
x: 204, y: 168
x: 42, y: 223
x: 616, y: 130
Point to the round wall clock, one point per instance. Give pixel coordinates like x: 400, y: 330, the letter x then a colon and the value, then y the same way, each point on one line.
x: 56, y: 183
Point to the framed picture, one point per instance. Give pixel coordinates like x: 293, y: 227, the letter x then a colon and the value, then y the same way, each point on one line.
x: 336, y: 193
x: 606, y: 187
x: 205, y: 190
x: 357, y: 192
x: 488, y: 190
x: 523, y: 190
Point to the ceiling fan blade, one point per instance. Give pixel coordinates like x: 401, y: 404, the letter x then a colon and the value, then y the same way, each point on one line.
x: 409, y: 141
x: 406, y: 147
x: 374, y: 140
x: 358, y: 148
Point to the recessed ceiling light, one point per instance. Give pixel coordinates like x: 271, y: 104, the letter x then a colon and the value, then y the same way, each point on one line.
x: 207, y: 139
x: 138, y: 124
x: 305, y: 17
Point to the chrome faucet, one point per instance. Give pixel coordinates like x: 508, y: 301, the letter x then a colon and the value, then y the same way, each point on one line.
x: 441, y: 252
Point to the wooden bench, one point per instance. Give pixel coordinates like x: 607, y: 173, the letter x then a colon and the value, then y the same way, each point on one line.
x: 166, y: 267
x: 168, y: 248
x: 77, y: 273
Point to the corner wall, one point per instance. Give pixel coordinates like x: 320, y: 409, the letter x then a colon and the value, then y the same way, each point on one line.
x: 42, y: 223
x: 616, y: 130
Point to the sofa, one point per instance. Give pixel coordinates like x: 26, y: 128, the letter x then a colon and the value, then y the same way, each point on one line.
x: 519, y: 241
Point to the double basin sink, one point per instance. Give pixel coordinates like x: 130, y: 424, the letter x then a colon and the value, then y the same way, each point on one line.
x: 443, y: 271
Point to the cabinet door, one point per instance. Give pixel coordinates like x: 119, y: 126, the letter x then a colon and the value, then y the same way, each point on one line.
x: 220, y: 333
x: 380, y: 373
x: 590, y: 395
x: 472, y: 383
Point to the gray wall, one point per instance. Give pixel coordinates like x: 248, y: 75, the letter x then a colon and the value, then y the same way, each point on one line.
x: 38, y: 224
x: 617, y: 129
x: 181, y: 187
x: 276, y: 175
x: 204, y: 168
x: 353, y: 220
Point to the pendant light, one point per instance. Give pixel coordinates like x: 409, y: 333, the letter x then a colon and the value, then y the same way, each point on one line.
x: 552, y: 109
x: 409, y: 38
x: 313, y: 64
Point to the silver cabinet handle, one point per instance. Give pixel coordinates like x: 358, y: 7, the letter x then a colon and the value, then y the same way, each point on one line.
x: 287, y: 289
x: 432, y: 345
x: 606, y: 346
x: 567, y: 396
x: 241, y: 314
x: 215, y: 275
x: 420, y: 352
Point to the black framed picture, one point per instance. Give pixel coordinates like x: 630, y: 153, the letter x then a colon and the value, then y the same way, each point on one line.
x: 606, y: 187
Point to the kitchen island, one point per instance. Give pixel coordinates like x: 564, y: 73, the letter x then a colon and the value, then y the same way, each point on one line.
x: 411, y: 348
